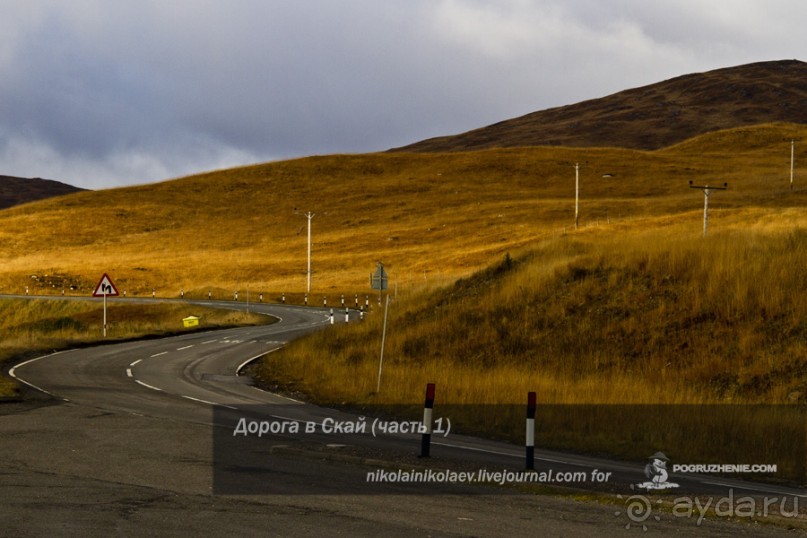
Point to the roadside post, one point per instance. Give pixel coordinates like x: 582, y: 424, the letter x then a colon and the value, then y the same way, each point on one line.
x: 378, y: 281
x: 383, y: 340
x: 426, y: 440
x: 105, y: 287
x: 530, y: 437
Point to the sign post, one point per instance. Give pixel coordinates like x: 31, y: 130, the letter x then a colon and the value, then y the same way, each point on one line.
x: 379, y: 280
x: 105, y: 287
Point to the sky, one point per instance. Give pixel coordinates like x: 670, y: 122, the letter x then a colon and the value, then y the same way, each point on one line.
x: 106, y: 93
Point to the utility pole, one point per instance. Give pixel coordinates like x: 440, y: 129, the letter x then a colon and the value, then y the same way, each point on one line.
x: 576, y: 195
x: 310, y: 216
x: 706, y: 191
x: 792, y: 159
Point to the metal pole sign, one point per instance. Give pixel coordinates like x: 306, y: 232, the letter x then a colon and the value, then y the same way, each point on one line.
x: 105, y: 287
x: 379, y: 280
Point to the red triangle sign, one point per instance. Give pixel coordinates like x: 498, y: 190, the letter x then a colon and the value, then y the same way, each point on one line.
x: 105, y: 288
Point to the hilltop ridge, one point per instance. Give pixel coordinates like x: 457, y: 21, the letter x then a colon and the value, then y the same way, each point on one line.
x: 21, y: 190
x: 654, y: 116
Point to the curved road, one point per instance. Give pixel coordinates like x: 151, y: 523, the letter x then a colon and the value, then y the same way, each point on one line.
x: 171, y: 377
x: 133, y: 429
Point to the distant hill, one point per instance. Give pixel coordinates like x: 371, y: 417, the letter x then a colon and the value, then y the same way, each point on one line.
x: 654, y: 116
x: 21, y: 190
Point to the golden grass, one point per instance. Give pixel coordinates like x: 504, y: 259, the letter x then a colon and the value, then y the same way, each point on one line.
x: 427, y: 217
x: 654, y: 318
x: 635, y: 307
x: 683, y: 342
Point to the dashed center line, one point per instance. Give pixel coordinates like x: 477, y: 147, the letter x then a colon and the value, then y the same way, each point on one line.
x: 129, y: 372
x: 135, y: 362
x: 186, y: 347
x: 158, y: 354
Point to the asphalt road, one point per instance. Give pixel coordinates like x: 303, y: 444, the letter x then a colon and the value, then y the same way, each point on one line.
x: 138, y: 439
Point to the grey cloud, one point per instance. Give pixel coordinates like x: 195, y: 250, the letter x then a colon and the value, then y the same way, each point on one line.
x: 103, y: 93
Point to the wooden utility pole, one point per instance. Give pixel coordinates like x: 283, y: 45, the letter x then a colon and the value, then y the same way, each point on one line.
x: 706, y: 191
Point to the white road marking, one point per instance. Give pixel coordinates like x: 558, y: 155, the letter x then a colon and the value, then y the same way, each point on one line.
x: 158, y: 354
x: 750, y: 487
x: 186, y: 347
x: 210, y: 341
x: 135, y: 362
x: 279, y: 396
x: 241, y: 366
x: 210, y: 403
x: 147, y: 385
x: 13, y: 374
x: 129, y: 372
x: 474, y: 449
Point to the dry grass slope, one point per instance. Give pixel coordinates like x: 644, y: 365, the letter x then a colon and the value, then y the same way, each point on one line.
x: 429, y: 218
x: 498, y: 293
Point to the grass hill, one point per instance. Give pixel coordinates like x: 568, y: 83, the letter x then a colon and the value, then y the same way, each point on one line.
x: 654, y: 116
x: 19, y: 190
x: 498, y: 293
x: 428, y: 217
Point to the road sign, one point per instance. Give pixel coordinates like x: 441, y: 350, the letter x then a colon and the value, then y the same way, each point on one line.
x: 379, y: 280
x: 105, y: 288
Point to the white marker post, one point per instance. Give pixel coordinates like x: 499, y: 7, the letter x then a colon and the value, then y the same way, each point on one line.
x: 105, y: 287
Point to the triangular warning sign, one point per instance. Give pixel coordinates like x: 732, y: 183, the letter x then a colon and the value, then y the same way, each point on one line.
x: 105, y: 288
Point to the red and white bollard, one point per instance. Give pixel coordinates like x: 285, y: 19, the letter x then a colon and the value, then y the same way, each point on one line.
x: 426, y: 440
x: 530, y: 431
